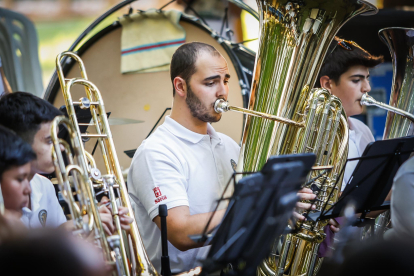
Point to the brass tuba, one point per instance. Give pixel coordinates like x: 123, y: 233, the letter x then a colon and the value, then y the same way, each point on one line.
x: 400, y: 118
x: 294, y: 38
x: 132, y: 256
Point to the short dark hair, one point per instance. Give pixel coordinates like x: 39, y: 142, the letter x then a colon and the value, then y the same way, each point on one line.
x: 13, y: 150
x: 338, y: 60
x: 184, y: 59
x: 24, y: 113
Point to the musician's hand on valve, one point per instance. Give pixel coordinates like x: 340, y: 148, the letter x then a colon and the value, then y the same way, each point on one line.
x: 106, y: 218
x: 122, y: 211
x: 304, y: 194
x: 334, y: 225
x: 125, y: 220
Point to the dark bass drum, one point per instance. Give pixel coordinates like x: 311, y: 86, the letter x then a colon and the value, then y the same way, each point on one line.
x: 148, y: 96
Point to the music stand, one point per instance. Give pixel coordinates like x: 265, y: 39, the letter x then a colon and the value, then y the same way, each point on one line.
x: 257, y: 214
x: 373, y: 176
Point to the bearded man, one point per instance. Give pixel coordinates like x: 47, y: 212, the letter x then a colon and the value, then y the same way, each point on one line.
x: 185, y: 163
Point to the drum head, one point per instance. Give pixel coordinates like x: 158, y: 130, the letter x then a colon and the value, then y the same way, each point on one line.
x: 141, y: 96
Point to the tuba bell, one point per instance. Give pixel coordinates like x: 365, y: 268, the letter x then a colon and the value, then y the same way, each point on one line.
x: 129, y: 253
x: 400, y: 118
x: 400, y: 42
x: 294, y: 38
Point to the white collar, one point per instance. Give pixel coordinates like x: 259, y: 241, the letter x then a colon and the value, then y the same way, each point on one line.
x: 182, y: 132
x: 36, y: 195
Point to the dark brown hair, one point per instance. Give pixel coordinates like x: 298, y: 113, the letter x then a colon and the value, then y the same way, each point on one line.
x: 184, y: 59
x: 340, y: 58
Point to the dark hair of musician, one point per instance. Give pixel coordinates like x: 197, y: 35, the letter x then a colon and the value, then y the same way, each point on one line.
x: 340, y: 58
x: 14, y: 151
x: 184, y: 60
x: 24, y: 113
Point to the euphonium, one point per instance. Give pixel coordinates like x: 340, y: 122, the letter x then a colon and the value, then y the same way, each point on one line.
x: 294, y: 38
x: 131, y: 248
x: 400, y: 42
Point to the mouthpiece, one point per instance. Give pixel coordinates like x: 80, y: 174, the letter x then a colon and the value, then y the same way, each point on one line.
x: 367, y: 100
x: 221, y: 106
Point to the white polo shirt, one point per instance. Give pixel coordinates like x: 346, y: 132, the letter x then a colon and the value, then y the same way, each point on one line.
x: 402, y: 210
x: 359, y: 137
x: 45, y: 208
x: 178, y: 167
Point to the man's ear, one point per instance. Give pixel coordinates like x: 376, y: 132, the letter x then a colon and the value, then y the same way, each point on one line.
x: 326, y: 83
x: 180, y: 86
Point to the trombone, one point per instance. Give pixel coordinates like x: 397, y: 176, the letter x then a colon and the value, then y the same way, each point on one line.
x: 75, y: 175
x: 131, y: 248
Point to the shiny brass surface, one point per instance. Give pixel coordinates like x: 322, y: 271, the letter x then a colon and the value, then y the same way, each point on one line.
x: 399, y: 123
x: 293, y: 41
x: 294, y: 38
x: 131, y: 257
x: 223, y: 106
x: 370, y: 101
x: 400, y: 42
x: 74, y: 175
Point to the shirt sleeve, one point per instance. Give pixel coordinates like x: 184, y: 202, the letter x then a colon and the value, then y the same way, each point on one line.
x: 157, y: 177
x: 402, y: 214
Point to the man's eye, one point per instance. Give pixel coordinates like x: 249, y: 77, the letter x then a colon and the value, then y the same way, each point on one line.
x: 210, y: 83
x: 356, y: 81
x: 226, y: 82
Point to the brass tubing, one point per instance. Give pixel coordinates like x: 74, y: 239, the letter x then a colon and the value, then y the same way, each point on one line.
x: 96, y: 106
x: 221, y: 106
x: 62, y: 174
x: 318, y: 168
x: 369, y: 101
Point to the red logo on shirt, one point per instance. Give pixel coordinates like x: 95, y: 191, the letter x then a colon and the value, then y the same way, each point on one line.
x: 158, y: 195
x: 157, y: 192
x: 159, y: 199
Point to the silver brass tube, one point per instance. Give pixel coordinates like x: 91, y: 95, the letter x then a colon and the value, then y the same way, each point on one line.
x: 221, y: 106
x: 369, y: 101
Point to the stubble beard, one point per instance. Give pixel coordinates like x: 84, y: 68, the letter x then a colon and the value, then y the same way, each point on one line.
x: 199, y: 110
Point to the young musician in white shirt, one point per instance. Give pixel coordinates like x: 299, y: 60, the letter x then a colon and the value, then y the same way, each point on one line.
x: 30, y: 117
x: 345, y: 74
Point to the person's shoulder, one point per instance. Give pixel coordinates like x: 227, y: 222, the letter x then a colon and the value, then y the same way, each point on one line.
x: 359, y: 125
x: 42, y: 184
x: 159, y: 145
x: 40, y: 179
x: 160, y: 140
x: 228, y: 141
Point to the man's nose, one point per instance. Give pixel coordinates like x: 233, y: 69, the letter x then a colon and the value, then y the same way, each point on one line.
x: 366, y: 86
x: 223, y: 91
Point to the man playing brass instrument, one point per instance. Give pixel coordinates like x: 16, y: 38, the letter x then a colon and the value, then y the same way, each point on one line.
x: 185, y: 163
x: 345, y: 74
